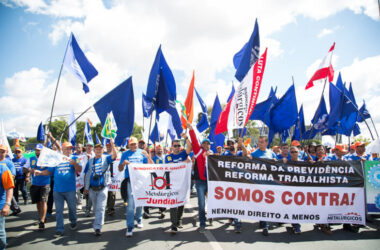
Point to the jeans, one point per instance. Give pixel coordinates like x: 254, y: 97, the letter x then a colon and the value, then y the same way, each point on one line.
x: 201, y: 187
x: 176, y: 214
x: 111, y: 201
x: 20, y: 185
x: 59, y: 199
x: 50, y: 200
x: 131, y: 208
x: 99, y: 200
x: 3, y: 236
x: 79, y: 197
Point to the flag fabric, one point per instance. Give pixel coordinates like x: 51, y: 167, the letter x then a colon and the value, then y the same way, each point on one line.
x: 41, y: 133
x: 299, y: 128
x: 17, y: 143
x: 110, y: 128
x: 239, y: 109
x: 72, y: 129
x: 231, y: 94
x: 121, y: 102
x: 319, y: 121
x: 247, y: 142
x: 50, y: 158
x: 261, y: 111
x: 324, y: 70
x: 202, y: 124
x: 284, y: 135
x: 364, y: 113
x: 97, y: 138
x: 216, y: 139
x: 147, y: 106
x: 189, y: 105
x: 248, y: 55
x: 161, y: 90
x: 77, y: 63
x: 155, y: 135
x: 4, y: 140
x: 171, y: 130
x: 90, y: 122
x: 356, y: 130
x: 87, y: 133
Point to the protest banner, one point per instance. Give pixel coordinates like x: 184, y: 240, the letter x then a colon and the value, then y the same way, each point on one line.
x: 50, y: 158
x: 117, y: 177
x: 372, y: 174
x: 160, y: 185
x: 297, y: 192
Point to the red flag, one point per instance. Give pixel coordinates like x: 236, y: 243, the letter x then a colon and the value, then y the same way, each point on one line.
x: 324, y: 70
x: 238, y: 110
x: 189, y: 107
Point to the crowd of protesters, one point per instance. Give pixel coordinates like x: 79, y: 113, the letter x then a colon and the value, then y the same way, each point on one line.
x: 58, y: 184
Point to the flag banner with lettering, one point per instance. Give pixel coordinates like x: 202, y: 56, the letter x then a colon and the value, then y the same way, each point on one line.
x: 160, y: 185
x: 116, y: 176
x: 79, y: 181
x: 372, y: 174
x: 296, y: 192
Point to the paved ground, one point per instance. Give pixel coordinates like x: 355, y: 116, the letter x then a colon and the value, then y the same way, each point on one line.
x: 22, y: 234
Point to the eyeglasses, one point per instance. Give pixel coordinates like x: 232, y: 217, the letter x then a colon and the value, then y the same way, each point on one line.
x: 176, y: 146
x: 293, y: 152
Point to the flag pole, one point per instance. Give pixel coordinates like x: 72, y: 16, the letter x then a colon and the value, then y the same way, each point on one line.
x: 150, y: 126
x: 56, y: 87
x: 373, y: 124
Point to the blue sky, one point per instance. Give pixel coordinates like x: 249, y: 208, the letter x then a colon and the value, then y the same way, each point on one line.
x: 121, y: 39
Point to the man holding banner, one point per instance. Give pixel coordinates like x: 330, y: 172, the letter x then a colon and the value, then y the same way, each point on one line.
x: 64, y: 187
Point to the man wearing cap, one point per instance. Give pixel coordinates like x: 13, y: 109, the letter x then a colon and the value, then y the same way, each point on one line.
x: 19, y: 162
x: 96, y: 182
x: 200, y: 175
x: 176, y: 156
x: 133, y: 155
x: 6, y: 192
x: 359, y: 153
x: 64, y: 187
x: 40, y: 188
x: 142, y: 144
x: 338, y: 155
x: 264, y: 153
x: 301, y: 153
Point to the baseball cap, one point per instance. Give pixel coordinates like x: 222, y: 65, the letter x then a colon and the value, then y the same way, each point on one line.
x: 359, y: 144
x: 295, y: 143
x: 133, y: 139
x: 90, y: 144
x: 18, y: 149
x: 139, y: 140
x: 206, y: 140
x: 67, y: 145
x: 98, y: 145
x: 39, y: 146
x: 341, y: 148
x: 3, y: 147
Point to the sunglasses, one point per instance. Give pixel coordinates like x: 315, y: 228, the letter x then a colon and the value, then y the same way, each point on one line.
x: 176, y: 146
x: 293, y: 152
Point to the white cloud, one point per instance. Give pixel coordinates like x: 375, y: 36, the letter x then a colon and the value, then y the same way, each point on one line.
x: 325, y: 32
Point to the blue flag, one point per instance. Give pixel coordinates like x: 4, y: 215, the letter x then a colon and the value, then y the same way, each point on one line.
x: 202, y: 124
x: 97, y: 138
x: 261, y: 111
x: 77, y: 63
x: 248, y: 55
x: 72, y: 129
x: 41, y: 133
x: 356, y: 130
x: 231, y: 94
x: 171, y: 130
x: 351, y: 95
x: 155, y: 135
x: 121, y: 102
x: 319, y: 121
x: 216, y: 140
x: 87, y: 133
x: 364, y: 113
x: 284, y: 135
x: 147, y: 106
x: 284, y: 113
x: 299, y: 128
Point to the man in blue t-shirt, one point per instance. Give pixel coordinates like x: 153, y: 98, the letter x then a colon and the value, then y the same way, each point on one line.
x: 40, y: 188
x: 176, y: 156
x: 19, y: 162
x: 284, y: 153
x: 359, y: 153
x: 64, y: 187
x: 97, y: 178
x: 133, y: 155
x: 264, y: 153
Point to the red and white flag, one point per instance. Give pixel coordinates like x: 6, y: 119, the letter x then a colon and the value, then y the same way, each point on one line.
x: 325, y: 69
x: 238, y: 110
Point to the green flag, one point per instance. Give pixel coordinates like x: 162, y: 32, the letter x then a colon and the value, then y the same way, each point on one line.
x: 110, y: 128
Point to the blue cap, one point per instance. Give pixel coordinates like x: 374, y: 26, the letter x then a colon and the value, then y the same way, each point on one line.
x: 206, y: 140
x: 39, y: 146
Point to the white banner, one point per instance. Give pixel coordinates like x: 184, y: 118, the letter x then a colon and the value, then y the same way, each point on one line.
x: 160, y: 185
x: 117, y: 177
x: 50, y: 158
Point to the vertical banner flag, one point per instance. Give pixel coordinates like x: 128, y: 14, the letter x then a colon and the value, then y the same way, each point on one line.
x: 87, y: 132
x: 248, y: 55
x: 202, y: 124
x: 297, y: 192
x: 72, y: 129
x: 77, y: 63
x: 110, y: 128
x: 189, y: 105
x: 160, y: 185
x: 324, y: 70
x: 171, y: 130
x: 97, y: 138
x: 238, y: 111
x: 4, y: 140
x: 231, y: 94
x: 41, y: 133
x: 216, y: 140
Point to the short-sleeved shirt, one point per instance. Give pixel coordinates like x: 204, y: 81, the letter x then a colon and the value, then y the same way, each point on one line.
x: 280, y: 157
x: 6, y: 183
x: 41, y: 180
x: 64, y: 176
x: 9, y: 164
x: 355, y: 157
x: 158, y: 159
x: 175, y: 158
x: 19, y: 164
x: 267, y: 154
x: 333, y: 157
x: 228, y: 152
x: 133, y: 157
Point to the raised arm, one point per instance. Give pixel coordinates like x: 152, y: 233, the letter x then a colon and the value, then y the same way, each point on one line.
x: 194, y: 141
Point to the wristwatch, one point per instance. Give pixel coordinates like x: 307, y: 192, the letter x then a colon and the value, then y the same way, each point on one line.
x: 8, y: 203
